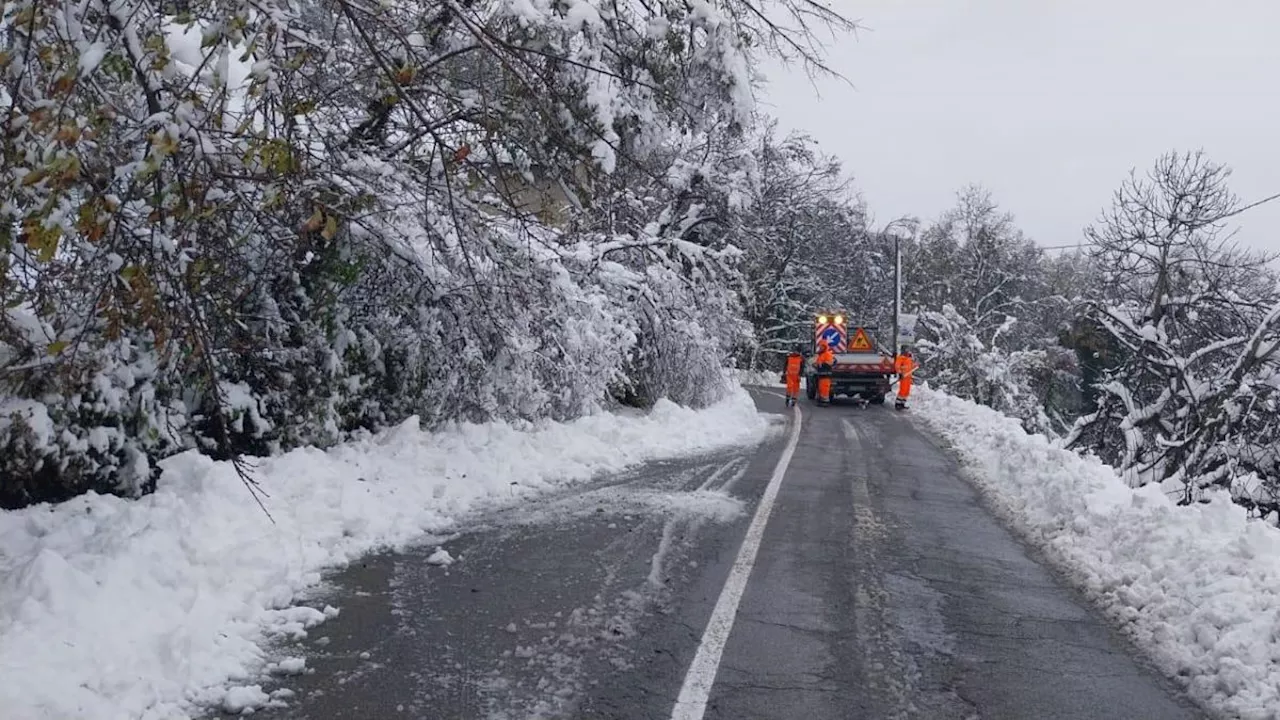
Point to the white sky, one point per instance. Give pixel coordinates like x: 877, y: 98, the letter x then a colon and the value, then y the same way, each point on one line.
x: 1048, y: 103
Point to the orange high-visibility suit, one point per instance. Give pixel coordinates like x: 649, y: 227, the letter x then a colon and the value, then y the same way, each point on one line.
x: 825, y: 360
x: 906, y: 367
x: 794, y: 365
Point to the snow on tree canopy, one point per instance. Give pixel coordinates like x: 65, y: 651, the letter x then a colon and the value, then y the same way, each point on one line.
x: 1189, y: 326
x: 252, y: 226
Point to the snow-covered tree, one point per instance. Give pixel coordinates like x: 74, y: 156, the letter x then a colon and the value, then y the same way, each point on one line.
x: 1190, y: 327
x: 989, y: 314
x: 252, y: 225
x: 805, y: 248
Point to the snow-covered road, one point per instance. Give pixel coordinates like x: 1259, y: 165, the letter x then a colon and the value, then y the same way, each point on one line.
x: 158, y: 608
x: 882, y: 587
x: 543, y: 608
x: 571, y: 570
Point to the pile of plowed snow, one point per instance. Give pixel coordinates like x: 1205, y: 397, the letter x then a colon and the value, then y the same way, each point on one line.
x: 1197, y: 587
x: 152, y: 608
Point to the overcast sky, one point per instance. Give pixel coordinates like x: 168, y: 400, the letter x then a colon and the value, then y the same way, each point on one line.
x: 1048, y: 103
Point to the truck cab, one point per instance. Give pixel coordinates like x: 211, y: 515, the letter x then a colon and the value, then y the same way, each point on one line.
x: 861, y: 369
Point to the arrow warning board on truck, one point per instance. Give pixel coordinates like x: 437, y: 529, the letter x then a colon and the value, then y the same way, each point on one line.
x: 830, y: 329
x: 860, y: 341
x: 834, y: 337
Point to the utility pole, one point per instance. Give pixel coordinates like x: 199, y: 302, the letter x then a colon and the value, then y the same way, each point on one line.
x: 897, y: 289
x: 892, y: 228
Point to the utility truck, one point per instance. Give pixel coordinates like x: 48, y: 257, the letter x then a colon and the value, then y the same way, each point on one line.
x: 861, y: 370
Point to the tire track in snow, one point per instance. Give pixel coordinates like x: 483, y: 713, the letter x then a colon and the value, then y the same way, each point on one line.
x: 670, y: 508
x: 740, y: 463
x: 660, y: 555
x: 886, y: 666
x: 727, y: 486
x: 735, y: 469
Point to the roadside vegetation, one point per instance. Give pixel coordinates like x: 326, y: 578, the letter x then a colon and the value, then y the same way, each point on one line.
x: 239, y: 228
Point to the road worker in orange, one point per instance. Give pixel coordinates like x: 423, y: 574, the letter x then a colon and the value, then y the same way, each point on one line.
x: 795, y: 363
x: 824, y: 361
x: 905, y: 365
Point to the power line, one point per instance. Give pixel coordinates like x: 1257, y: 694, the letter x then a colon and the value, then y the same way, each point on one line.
x: 1231, y: 214
x: 1250, y: 206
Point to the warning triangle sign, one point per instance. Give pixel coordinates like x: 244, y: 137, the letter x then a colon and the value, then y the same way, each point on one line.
x: 860, y: 341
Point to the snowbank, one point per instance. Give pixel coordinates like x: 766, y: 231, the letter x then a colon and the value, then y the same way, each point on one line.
x: 1197, y: 587
x: 151, y: 609
x: 763, y: 378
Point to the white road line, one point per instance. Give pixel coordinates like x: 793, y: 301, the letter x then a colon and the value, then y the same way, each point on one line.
x: 692, y: 703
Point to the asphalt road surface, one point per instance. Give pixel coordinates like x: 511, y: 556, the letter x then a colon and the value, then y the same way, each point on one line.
x: 877, y: 587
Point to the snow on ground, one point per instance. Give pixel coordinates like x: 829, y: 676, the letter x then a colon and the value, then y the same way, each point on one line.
x: 151, y: 609
x: 765, y: 378
x: 1197, y: 587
